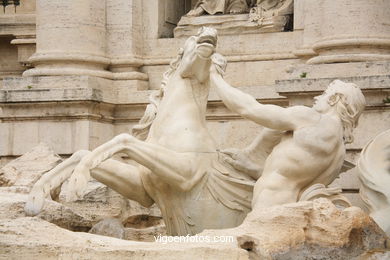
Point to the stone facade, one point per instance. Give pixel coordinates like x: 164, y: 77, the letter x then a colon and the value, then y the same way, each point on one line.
x: 76, y: 73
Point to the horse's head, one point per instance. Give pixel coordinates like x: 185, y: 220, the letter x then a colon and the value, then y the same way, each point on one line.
x: 196, y: 54
x: 193, y: 61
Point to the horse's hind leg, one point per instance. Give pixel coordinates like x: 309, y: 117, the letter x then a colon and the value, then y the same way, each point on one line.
x: 123, y: 178
x: 182, y: 170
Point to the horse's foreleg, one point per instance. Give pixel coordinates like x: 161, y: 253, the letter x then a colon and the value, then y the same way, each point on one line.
x: 81, y: 173
x: 121, y: 177
x: 50, y: 182
x: 182, y: 170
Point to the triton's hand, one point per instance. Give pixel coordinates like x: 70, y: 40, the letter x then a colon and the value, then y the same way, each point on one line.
x: 241, y: 161
x: 218, y: 64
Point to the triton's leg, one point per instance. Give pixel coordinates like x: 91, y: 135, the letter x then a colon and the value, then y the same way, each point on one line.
x: 180, y: 169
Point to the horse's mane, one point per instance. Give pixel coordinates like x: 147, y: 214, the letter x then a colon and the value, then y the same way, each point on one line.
x: 141, y: 130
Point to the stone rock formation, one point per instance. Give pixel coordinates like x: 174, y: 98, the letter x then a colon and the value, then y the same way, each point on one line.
x: 304, y: 230
x: 97, y: 204
x: 28, y: 168
x: 110, y: 227
x: 307, y: 230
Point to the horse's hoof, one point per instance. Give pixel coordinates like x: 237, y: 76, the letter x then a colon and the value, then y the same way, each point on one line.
x: 77, y: 184
x: 71, y: 196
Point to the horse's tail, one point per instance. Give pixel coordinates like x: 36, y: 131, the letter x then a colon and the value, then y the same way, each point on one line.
x: 49, y: 183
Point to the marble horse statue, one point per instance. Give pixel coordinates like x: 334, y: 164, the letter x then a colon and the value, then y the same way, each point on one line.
x: 178, y: 165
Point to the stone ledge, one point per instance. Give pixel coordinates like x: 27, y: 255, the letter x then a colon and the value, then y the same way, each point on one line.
x: 18, y: 24
x: 17, y: 19
x: 50, y: 95
x: 78, y: 88
x: 229, y: 24
x: 301, y: 91
x: 71, y: 88
x: 376, y: 82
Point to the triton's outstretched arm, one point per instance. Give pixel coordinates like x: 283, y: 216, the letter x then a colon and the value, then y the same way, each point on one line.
x: 271, y: 116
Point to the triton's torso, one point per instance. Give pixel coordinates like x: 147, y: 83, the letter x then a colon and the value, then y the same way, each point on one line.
x: 311, y: 153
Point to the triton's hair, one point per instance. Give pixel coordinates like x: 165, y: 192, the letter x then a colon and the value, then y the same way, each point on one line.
x: 350, y: 106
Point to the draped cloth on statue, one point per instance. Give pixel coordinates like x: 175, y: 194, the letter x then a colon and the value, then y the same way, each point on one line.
x: 222, y: 6
x: 220, y: 182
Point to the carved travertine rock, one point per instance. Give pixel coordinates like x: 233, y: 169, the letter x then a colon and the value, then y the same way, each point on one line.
x: 27, y: 169
x: 12, y: 207
x: 307, y: 230
x: 25, y: 238
x: 110, y: 227
x: 309, y: 145
x: 178, y: 167
x: 374, y: 174
x: 99, y: 202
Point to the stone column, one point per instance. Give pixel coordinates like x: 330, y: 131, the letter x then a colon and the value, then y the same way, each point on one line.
x: 125, y: 39
x: 348, y: 30
x: 71, y: 38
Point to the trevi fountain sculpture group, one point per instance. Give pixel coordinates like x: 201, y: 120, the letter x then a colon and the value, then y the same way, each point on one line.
x: 178, y: 167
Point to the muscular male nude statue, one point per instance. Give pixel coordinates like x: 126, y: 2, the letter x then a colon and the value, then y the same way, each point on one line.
x: 311, y: 147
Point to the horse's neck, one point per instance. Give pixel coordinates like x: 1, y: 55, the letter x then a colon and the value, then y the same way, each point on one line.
x: 190, y: 91
x: 180, y: 123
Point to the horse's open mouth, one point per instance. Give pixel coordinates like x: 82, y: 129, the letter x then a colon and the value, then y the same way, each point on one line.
x: 207, y: 41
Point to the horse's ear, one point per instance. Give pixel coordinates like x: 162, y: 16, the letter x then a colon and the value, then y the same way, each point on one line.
x: 181, y: 52
x: 201, y: 30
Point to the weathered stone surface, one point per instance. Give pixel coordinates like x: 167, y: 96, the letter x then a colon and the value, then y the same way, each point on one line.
x: 307, y: 230
x: 100, y: 202
x: 144, y: 227
x: 138, y: 228
x: 27, y: 169
x: 33, y: 238
x: 139, y: 223
x: 12, y: 207
x: 110, y: 227
x: 376, y: 255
